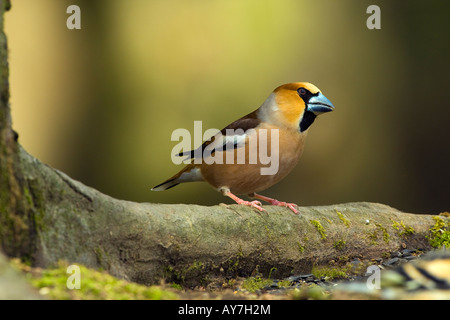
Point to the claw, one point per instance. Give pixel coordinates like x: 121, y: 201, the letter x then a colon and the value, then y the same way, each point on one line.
x: 253, y: 204
x: 274, y: 202
x: 291, y: 206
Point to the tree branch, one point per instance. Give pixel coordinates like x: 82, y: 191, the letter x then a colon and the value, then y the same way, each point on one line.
x: 146, y: 242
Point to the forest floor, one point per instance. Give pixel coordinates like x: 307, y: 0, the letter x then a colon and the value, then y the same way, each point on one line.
x: 355, y: 279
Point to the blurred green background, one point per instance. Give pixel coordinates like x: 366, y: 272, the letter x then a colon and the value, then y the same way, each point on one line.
x: 101, y: 103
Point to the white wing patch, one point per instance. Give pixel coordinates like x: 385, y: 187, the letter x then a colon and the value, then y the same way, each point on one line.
x: 193, y: 175
x: 233, y: 139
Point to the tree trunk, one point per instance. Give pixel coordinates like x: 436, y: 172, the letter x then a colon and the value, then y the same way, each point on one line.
x: 46, y: 216
x: 16, y: 212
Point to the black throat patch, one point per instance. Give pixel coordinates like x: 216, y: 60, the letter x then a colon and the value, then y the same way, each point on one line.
x: 307, y: 120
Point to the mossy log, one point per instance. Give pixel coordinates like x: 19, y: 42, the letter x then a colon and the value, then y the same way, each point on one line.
x: 191, y: 244
x: 46, y: 216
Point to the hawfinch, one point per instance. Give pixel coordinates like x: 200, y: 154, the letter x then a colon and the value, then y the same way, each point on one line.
x: 236, y: 160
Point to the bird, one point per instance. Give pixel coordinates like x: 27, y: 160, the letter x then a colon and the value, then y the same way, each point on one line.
x: 233, y: 160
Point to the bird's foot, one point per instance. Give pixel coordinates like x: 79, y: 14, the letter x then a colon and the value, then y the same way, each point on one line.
x: 275, y: 202
x: 253, y: 204
x: 291, y: 206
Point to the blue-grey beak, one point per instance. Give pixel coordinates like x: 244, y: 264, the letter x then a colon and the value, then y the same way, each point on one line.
x: 319, y: 104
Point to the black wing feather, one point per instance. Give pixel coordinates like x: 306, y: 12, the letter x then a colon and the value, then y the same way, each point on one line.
x: 248, y: 122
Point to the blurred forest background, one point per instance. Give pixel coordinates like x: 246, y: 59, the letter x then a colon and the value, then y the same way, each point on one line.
x: 101, y: 103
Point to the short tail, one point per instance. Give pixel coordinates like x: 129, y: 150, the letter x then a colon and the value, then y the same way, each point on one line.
x: 166, y: 185
x: 189, y: 174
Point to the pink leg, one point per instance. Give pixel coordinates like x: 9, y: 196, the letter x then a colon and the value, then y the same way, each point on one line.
x: 275, y: 202
x: 253, y: 204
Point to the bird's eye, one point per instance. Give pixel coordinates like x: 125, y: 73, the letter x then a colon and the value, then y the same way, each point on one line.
x: 302, y: 91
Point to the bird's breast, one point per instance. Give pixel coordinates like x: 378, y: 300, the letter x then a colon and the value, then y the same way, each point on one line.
x: 267, y: 157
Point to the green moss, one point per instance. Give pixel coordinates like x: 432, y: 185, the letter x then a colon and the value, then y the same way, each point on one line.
x: 195, y: 269
x: 36, y: 199
x: 234, y: 264
x: 272, y: 270
x: 100, y: 254
x: 52, y: 283
x: 330, y: 272
x: 373, y: 236
x: 284, y: 283
x: 175, y: 286
x: 439, y: 233
x: 240, y: 253
x: 231, y: 283
x: 26, y: 193
x: 386, y: 237
x: 396, y: 225
x: 196, y: 265
x: 253, y: 284
x: 301, y: 247
x: 311, y: 292
x: 343, y: 219
x: 343, y: 258
x: 404, y: 229
x: 339, y: 245
x: 319, y: 228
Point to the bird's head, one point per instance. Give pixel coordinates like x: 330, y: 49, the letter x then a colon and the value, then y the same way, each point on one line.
x: 295, y: 105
